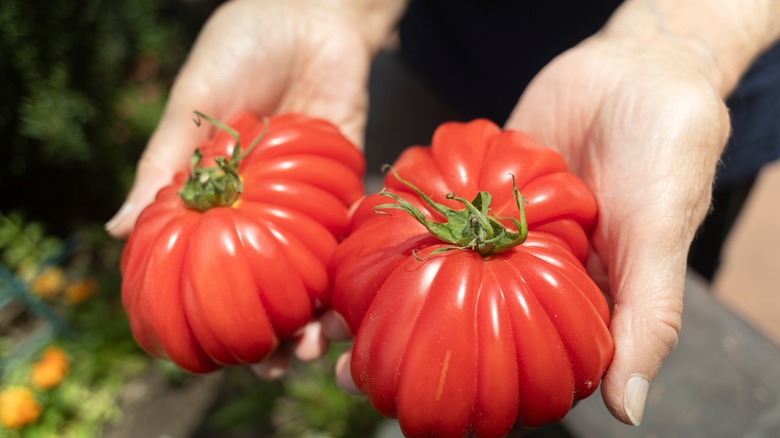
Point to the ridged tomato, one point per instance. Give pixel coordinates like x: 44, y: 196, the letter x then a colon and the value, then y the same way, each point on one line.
x: 222, y: 278
x: 473, y: 315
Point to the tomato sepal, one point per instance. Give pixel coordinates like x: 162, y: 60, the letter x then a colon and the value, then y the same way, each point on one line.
x: 469, y: 228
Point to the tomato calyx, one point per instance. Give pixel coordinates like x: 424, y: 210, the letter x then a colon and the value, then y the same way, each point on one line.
x: 220, y: 185
x: 468, y: 228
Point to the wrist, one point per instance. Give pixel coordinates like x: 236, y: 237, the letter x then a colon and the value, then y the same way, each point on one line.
x: 375, y: 18
x: 719, y: 41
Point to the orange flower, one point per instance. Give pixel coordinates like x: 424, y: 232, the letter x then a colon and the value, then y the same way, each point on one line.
x: 79, y: 290
x: 49, y: 282
x: 51, y: 369
x: 18, y: 407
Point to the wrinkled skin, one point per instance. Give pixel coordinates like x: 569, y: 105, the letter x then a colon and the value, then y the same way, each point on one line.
x: 453, y: 342
x: 650, y: 165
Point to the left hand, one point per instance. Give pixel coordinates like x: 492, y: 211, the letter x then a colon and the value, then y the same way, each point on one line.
x: 644, y: 128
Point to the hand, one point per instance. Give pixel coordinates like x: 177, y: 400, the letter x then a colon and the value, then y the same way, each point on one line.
x: 267, y: 56
x: 644, y: 128
x: 638, y: 112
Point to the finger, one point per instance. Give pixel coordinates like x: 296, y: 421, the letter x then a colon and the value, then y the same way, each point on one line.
x: 334, y: 327
x: 647, y: 291
x: 311, y: 343
x: 344, y: 375
x: 215, y: 81
x: 168, y: 151
x: 276, y: 365
x: 645, y: 235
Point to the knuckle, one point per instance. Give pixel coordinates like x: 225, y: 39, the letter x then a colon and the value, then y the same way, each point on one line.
x: 667, y: 323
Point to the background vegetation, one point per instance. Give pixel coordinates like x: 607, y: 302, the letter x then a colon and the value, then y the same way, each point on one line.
x: 84, y: 83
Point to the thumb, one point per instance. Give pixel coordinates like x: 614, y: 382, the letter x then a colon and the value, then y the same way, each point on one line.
x: 647, y: 281
x: 168, y: 151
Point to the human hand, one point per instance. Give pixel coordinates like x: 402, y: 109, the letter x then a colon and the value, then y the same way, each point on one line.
x: 638, y: 112
x: 265, y: 56
x: 644, y: 127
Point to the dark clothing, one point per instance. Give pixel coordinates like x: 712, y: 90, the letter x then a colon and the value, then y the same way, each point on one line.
x: 755, y: 122
x: 480, y: 55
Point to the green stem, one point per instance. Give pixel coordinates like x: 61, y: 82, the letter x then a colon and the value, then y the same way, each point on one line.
x: 469, y: 228
x: 221, y: 185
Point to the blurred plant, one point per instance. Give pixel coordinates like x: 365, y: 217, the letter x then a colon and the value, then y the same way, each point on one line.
x: 49, y: 371
x: 80, y: 290
x: 306, y: 403
x: 314, y: 406
x: 18, y: 407
x: 84, y: 83
x: 83, y: 400
x: 49, y: 282
x: 24, y: 245
x: 48, y: 295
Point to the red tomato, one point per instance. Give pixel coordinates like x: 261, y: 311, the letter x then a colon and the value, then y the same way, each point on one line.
x: 470, y: 341
x: 223, y: 286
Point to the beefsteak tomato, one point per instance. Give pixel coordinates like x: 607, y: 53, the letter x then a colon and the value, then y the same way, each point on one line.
x: 231, y: 259
x: 471, y: 316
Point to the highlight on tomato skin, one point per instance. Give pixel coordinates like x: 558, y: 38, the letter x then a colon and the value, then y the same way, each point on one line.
x: 225, y: 280
x: 463, y: 283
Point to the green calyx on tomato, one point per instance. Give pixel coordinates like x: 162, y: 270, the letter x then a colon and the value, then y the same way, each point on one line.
x: 220, y: 185
x: 469, y: 228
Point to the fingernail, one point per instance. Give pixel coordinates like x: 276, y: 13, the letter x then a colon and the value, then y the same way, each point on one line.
x: 120, y: 215
x: 344, y: 375
x: 310, y: 344
x: 334, y: 327
x: 635, y: 398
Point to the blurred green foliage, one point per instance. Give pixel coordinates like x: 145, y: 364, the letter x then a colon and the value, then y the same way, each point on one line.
x: 84, y: 82
x: 313, y: 405
x: 306, y: 403
x: 24, y: 242
x: 40, y: 306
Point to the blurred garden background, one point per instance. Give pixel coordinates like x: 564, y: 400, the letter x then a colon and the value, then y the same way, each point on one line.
x: 83, y: 85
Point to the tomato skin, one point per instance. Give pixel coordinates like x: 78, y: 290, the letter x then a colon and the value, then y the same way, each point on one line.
x: 453, y: 343
x: 225, y: 286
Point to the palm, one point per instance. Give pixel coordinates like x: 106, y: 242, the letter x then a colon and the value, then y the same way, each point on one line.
x: 275, y: 60
x: 266, y: 57
x: 645, y: 137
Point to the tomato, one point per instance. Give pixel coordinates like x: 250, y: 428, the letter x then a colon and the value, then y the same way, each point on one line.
x: 224, y: 277
x: 473, y: 316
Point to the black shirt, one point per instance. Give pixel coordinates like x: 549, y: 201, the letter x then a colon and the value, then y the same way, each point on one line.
x: 480, y: 55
